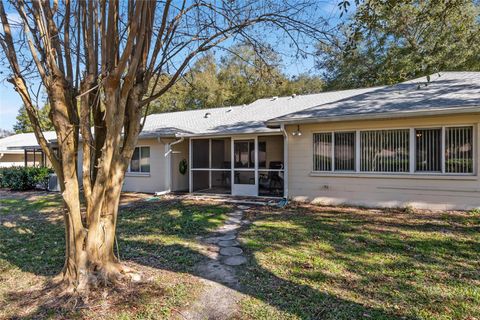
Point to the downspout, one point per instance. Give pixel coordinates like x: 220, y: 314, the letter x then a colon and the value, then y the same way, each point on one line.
x: 285, y: 160
x: 168, y: 155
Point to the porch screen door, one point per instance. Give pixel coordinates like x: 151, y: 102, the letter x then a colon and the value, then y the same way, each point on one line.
x: 244, y: 168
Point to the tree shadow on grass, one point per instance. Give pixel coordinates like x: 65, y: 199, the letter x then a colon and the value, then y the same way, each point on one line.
x: 421, y: 264
x: 163, y: 235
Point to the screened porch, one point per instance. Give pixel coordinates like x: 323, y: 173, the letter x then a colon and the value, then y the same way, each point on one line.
x: 250, y: 166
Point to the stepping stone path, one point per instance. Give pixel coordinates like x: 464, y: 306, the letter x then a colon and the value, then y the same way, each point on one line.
x: 230, y: 252
x: 225, y: 240
x: 220, y: 296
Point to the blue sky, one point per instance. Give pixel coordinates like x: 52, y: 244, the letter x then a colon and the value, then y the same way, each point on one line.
x: 10, y: 101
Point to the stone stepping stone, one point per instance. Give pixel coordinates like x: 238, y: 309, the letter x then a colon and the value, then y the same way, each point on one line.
x: 212, y: 240
x: 228, y: 243
x: 231, y: 251
x: 242, y: 207
x: 228, y: 236
x: 235, y: 260
x: 229, y: 227
x: 236, y: 221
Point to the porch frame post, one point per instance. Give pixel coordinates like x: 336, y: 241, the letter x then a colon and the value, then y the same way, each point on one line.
x: 168, y: 167
x: 25, y: 155
x: 285, y: 161
x: 209, y: 163
x: 190, y: 186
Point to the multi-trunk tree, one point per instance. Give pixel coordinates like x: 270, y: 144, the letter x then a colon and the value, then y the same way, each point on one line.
x: 99, y: 63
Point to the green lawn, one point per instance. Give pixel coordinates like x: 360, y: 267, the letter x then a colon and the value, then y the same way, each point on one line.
x: 339, y: 263
x: 156, y: 238
x: 305, y: 262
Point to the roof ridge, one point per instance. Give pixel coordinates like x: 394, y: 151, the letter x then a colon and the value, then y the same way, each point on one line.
x: 323, y: 92
x: 198, y: 110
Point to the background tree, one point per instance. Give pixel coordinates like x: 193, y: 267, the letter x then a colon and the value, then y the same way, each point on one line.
x: 238, y: 77
x: 101, y: 64
x: 23, y: 122
x: 386, y: 42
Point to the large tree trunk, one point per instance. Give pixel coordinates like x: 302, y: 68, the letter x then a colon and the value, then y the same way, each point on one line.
x: 90, y: 258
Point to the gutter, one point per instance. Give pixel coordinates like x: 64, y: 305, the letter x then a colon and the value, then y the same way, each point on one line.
x: 367, y: 116
x: 172, y: 144
x: 168, y: 176
x: 227, y: 134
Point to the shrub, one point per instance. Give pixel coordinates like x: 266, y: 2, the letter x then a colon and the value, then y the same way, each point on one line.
x: 24, y: 178
x: 475, y: 211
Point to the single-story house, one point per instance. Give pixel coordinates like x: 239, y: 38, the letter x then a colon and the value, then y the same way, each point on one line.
x: 415, y: 144
x: 23, y: 150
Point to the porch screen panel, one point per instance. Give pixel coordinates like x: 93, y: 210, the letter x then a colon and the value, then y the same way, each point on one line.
x: 344, y: 151
x: 384, y: 151
x: 428, y: 150
x: 200, y: 155
x: 322, y: 151
x: 459, y: 150
x: 221, y: 153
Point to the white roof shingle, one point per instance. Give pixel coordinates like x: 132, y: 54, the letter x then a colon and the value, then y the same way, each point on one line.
x: 447, y: 92
x: 237, y: 119
x: 13, y: 143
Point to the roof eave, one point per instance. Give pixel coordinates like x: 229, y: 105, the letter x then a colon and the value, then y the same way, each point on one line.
x: 400, y: 114
x: 228, y: 133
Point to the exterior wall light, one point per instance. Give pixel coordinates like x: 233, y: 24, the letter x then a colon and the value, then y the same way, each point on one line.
x: 297, y: 132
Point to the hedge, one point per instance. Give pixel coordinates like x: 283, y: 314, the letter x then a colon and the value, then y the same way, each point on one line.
x: 24, y: 178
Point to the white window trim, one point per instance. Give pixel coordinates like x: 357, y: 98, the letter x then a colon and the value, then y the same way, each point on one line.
x: 332, y: 156
x: 412, y: 153
x: 139, y: 173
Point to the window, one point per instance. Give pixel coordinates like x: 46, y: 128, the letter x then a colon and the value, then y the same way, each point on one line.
x: 140, y: 160
x: 384, y: 151
x: 339, y: 145
x: 344, y: 150
x: 322, y: 151
x: 421, y: 150
x: 428, y: 150
x: 459, y: 150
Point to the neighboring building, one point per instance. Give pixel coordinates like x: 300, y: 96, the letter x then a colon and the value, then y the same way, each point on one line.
x: 23, y: 150
x: 414, y: 143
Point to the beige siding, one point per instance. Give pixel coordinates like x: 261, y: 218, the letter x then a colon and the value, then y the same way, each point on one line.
x: 274, y: 150
x: 421, y: 191
x: 18, y: 159
x: 155, y: 180
x: 9, y: 160
x: 179, y: 181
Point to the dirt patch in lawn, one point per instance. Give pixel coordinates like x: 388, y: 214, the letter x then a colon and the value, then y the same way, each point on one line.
x: 159, y: 295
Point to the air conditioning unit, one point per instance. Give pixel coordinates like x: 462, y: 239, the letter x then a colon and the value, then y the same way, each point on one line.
x: 53, y: 183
